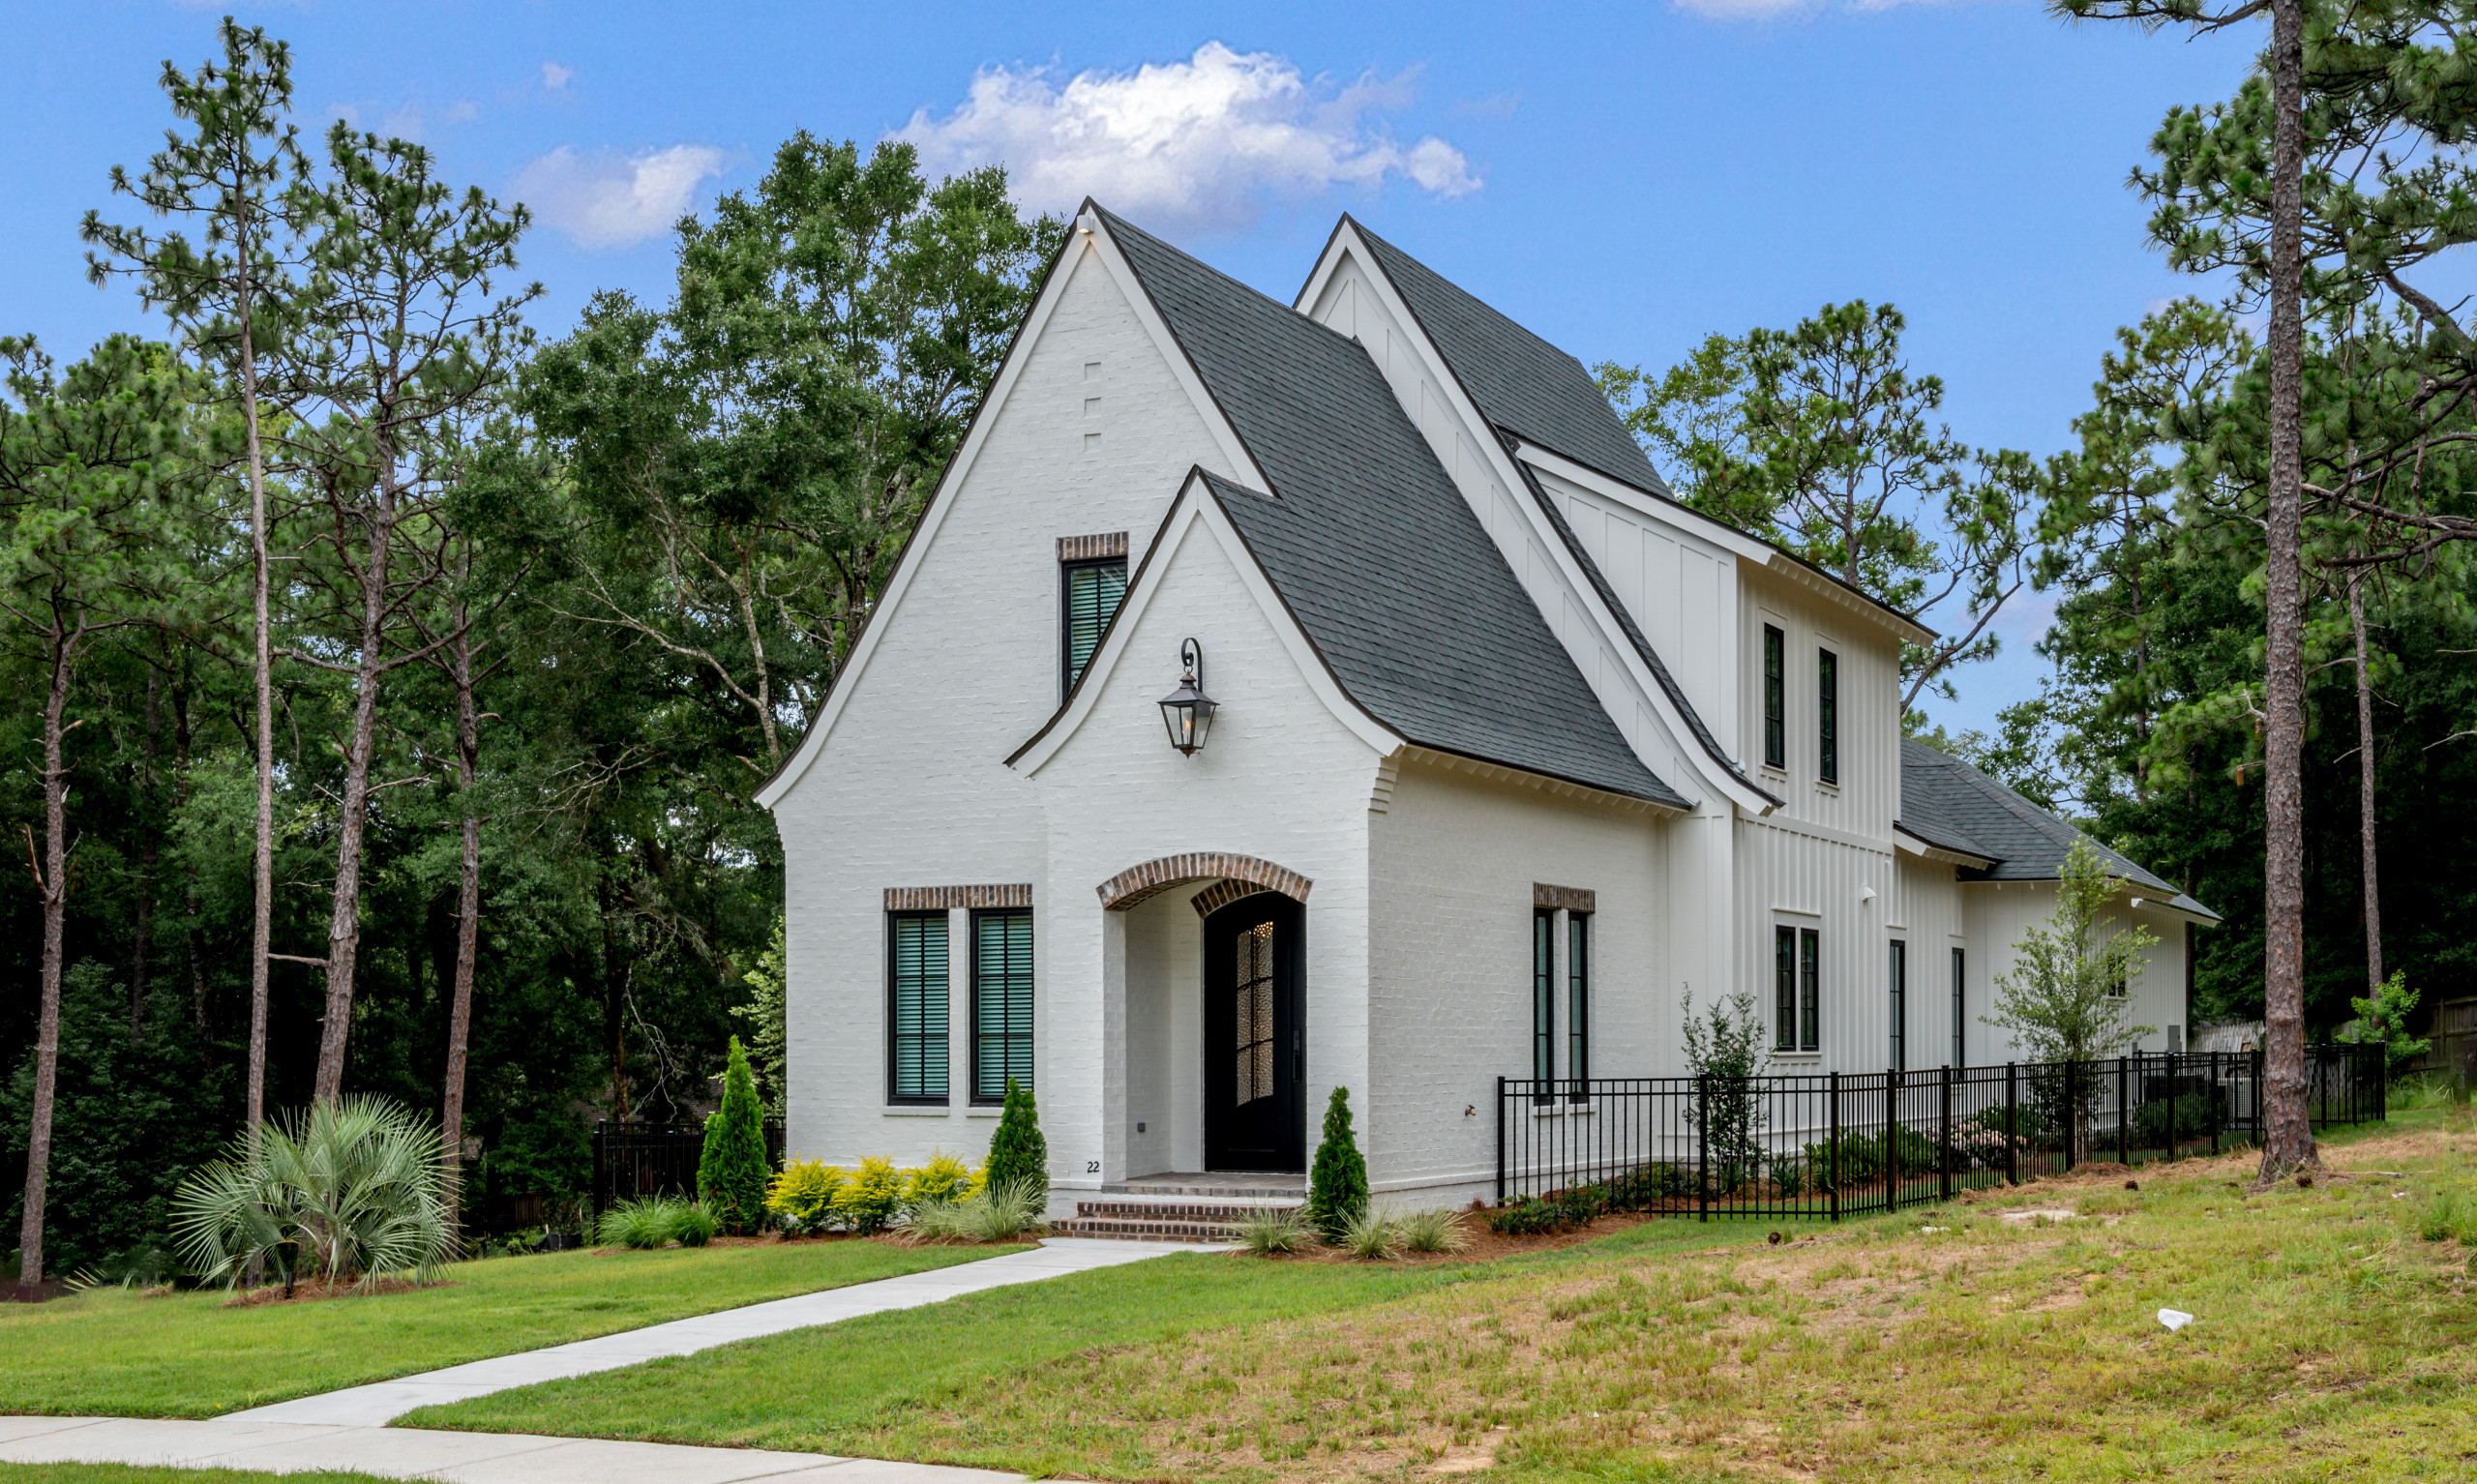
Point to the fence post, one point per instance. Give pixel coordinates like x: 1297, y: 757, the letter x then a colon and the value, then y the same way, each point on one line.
x: 2012, y: 1123
x: 2072, y: 1113
x: 2256, y: 1070
x: 1944, y: 1161
x: 2210, y: 1099
x: 2124, y: 1116
x: 600, y: 1167
x: 2383, y: 1080
x: 2171, y: 1104
x: 1501, y: 1140
x: 1831, y: 1149
x: 1891, y: 1139
x: 1703, y: 1146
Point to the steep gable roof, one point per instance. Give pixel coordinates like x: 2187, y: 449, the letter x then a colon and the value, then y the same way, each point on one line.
x: 1946, y: 802
x: 1370, y: 544
x: 1520, y: 383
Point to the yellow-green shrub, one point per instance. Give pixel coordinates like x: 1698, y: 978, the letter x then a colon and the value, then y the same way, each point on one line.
x: 944, y: 1178
x: 806, y: 1195
x: 870, y: 1199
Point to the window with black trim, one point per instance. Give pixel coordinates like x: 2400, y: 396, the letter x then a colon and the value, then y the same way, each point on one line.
x: 1901, y: 1006
x: 1543, y: 995
x: 1001, y: 1002
x: 1088, y: 595
x: 1809, y: 989
x: 916, y: 1007
x: 1776, y: 686
x: 1958, y: 1023
x: 1784, y: 990
x: 1828, y: 715
x: 1578, y: 997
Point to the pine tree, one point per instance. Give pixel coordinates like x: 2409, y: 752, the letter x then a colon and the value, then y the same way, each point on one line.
x: 1018, y: 1154
x: 1337, y: 1189
x: 732, y: 1173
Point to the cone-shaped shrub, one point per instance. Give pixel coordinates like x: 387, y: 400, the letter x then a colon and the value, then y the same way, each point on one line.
x: 732, y: 1173
x: 1018, y: 1154
x: 1337, y: 1188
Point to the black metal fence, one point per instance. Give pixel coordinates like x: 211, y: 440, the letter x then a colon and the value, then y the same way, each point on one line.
x: 1829, y: 1144
x: 656, y: 1159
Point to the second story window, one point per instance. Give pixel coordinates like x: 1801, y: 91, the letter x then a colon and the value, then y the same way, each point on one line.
x: 1828, y: 715
x: 1091, y: 582
x: 1776, y: 721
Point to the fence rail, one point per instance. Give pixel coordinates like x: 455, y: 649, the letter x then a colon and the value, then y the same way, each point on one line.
x: 1829, y: 1144
x: 656, y: 1159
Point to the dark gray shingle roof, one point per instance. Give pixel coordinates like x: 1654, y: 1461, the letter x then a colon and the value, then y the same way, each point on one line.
x: 1372, y: 546
x: 1519, y: 381
x: 1944, y: 801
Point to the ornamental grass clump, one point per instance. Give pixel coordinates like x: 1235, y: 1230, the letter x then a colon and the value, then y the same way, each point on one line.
x: 1432, y: 1230
x: 1369, y: 1236
x: 350, y: 1190
x: 998, y: 1213
x: 642, y: 1224
x: 1275, y: 1228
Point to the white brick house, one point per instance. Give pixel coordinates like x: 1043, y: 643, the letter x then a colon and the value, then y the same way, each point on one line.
x: 1512, y: 751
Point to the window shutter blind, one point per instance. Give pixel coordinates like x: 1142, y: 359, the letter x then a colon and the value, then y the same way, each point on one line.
x: 1093, y: 592
x: 918, y: 1012
x: 1001, y: 1003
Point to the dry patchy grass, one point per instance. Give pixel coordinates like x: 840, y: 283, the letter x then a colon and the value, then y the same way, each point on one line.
x: 2331, y: 1342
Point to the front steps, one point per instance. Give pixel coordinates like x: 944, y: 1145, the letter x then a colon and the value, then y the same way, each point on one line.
x: 1181, y: 1207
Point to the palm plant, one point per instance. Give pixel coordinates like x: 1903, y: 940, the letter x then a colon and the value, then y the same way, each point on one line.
x: 350, y: 1189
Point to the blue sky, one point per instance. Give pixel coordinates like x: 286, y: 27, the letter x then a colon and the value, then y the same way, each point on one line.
x: 1624, y: 180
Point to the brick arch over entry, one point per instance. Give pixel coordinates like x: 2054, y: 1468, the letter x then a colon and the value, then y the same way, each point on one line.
x: 1138, y: 882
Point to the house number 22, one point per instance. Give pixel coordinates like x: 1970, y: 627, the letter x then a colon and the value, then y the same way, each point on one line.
x: 1091, y: 1167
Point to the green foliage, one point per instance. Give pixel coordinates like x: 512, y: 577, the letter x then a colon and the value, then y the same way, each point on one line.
x: 1726, y: 1048
x: 731, y: 1171
x: 1645, y: 1187
x: 1529, y: 1216
x: 1436, y: 1230
x: 943, y: 1177
x: 2448, y: 1215
x: 1337, y: 1182
x: 2386, y: 1015
x: 1275, y: 1228
x: 1368, y: 1236
x: 1018, y: 1154
x: 806, y: 1195
x: 1862, y: 1157
x: 1002, y: 1213
x: 768, y: 1051
x: 2062, y: 998
x: 653, y: 1221
x: 2150, y: 1120
x: 349, y: 1190
x: 871, y: 1199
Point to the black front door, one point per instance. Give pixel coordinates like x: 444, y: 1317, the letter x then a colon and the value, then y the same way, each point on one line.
x: 1254, y: 1041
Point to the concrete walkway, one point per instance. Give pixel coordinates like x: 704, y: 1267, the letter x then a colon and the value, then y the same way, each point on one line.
x: 383, y: 1402
x: 458, y: 1458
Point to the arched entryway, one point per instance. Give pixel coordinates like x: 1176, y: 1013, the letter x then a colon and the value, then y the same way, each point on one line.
x: 1236, y: 977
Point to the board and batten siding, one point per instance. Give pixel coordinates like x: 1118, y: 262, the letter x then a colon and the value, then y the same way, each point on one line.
x: 1999, y: 913
x: 1452, y: 860
x: 1096, y: 434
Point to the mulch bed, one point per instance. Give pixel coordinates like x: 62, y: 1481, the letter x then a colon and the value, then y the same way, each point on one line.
x: 312, y: 1290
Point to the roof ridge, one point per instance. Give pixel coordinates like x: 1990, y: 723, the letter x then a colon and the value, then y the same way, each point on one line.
x: 1118, y: 223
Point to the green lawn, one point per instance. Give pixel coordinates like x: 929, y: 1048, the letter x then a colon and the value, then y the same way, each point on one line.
x: 2334, y: 1341
x: 113, y: 1352
x: 124, y: 1473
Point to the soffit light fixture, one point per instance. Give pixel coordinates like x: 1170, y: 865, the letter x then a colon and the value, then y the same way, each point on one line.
x: 1188, y: 711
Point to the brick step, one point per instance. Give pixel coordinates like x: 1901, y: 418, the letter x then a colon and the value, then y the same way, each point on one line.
x: 1125, y: 1231
x: 1270, y: 1188
x: 1229, y: 1212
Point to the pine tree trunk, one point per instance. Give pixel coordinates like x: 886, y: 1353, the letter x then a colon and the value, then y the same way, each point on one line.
x: 52, y: 881
x: 2287, y: 1135
x: 190, y: 887
x: 2366, y: 795
x: 469, y: 915
x: 262, y: 858
x: 149, y: 852
x: 353, y: 816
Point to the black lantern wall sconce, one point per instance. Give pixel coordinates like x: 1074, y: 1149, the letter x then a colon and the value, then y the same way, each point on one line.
x: 1188, y: 711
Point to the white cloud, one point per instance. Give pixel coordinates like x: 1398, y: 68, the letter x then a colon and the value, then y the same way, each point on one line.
x: 557, y: 77
x: 1200, y: 142
x: 607, y: 200
x: 463, y: 111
